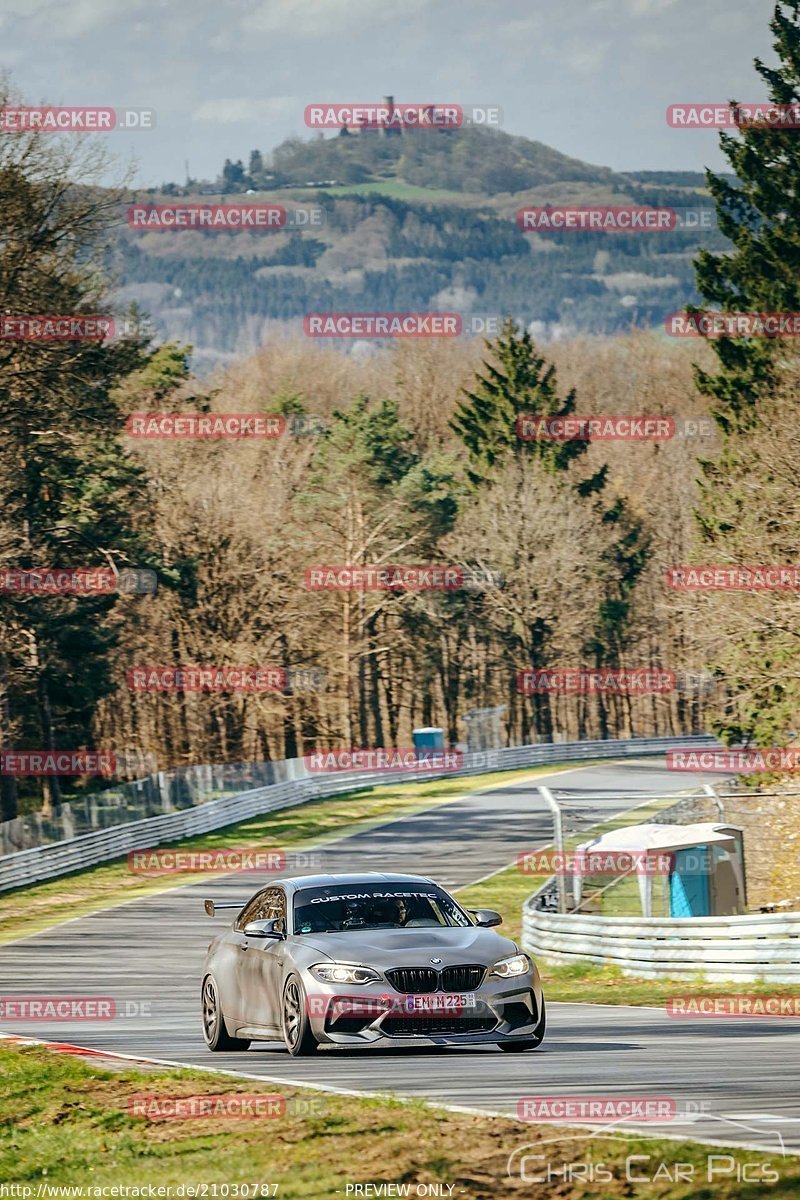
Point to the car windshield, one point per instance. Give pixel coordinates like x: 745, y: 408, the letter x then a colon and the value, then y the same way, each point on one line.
x: 342, y: 907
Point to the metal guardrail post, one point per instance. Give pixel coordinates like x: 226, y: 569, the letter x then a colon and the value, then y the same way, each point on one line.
x: 711, y: 791
x: 558, y: 827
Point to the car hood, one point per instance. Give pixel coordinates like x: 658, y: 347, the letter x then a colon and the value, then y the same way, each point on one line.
x: 411, y: 947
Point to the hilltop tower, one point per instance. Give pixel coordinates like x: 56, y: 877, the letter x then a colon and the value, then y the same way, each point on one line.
x: 390, y: 130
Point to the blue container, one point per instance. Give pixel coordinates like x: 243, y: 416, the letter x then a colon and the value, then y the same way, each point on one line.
x: 689, y: 883
x: 428, y: 739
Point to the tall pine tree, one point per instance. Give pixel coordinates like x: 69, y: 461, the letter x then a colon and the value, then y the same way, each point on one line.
x: 72, y: 496
x: 760, y: 213
x: 748, y: 493
x: 518, y: 382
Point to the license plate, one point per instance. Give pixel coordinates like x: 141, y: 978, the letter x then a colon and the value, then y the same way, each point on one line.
x: 447, y: 1002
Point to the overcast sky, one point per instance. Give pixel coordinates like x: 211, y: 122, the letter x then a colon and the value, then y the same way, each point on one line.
x: 590, y: 77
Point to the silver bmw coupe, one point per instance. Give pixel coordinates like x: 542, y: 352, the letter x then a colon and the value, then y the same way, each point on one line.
x: 366, y: 959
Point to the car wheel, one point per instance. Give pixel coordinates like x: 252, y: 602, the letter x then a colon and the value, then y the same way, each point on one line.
x: 295, y: 1024
x: 527, y: 1043
x: 214, y: 1029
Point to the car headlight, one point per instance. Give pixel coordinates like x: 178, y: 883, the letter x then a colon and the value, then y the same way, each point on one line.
x: 507, y: 968
x: 343, y: 973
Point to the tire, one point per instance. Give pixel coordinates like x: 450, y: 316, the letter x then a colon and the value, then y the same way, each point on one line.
x: 215, y: 1030
x: 521, y: 1044
x: 295, y: 1025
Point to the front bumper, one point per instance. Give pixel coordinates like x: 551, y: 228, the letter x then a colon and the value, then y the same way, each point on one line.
x: 505, y: 1009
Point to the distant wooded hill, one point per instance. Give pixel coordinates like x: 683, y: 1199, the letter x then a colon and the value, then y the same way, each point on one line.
x: 418, y: 222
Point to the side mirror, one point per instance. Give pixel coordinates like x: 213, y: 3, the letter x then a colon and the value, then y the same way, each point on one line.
x: 212, y: 907
x: 486, y: 916
x: 263, y: 929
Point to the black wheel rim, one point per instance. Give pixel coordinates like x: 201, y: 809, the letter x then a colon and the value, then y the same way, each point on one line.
x: 291, y: 1013
x: 210, y: 1009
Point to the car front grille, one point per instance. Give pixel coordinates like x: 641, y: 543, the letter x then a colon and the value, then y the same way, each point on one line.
x: 427, y: 1026
x: 462, y: 979
x: 416, y: 981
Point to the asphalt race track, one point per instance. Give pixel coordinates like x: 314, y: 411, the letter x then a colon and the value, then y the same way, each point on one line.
x: 736, y: 1081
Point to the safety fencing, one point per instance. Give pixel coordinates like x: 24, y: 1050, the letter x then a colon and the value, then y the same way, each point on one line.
x: 146, y: 795
x: 48, y: 861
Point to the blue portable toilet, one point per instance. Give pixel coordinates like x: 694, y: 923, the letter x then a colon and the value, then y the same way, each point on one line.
x: 429, y: 738
x: 705, y: 862
x: 708, y: 880
x: 689, y: 880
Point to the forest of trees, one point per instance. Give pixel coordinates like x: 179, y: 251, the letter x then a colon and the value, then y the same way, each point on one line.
x: 431, y: 222
x: 228, y: 294
x: 414, y: 460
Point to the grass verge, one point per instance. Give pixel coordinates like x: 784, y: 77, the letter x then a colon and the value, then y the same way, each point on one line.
x: 28, y: 910
x: 65, y: 1123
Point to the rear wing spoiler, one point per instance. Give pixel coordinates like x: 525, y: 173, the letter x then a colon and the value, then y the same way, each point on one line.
x: 212, y: 907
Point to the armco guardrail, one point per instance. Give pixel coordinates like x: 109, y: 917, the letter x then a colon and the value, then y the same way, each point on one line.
x: 60, y: 858
x: 144, y: 796
x: 740, y: 949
